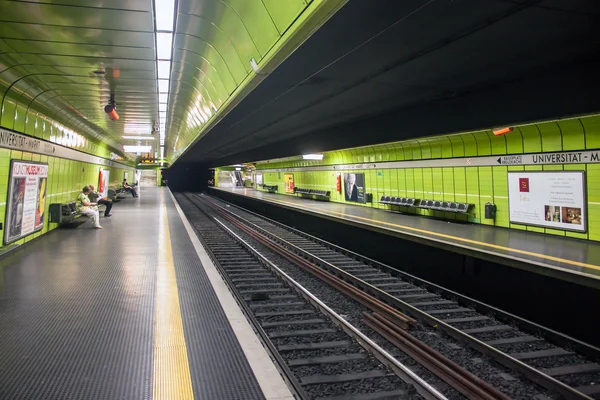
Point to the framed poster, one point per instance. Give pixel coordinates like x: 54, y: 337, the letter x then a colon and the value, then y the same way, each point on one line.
x: 103, y: 180
x: 259, y: 179
x: 354, y: 188
x: 288, y: 180
x: 549, y: 199
x: 26, y: 204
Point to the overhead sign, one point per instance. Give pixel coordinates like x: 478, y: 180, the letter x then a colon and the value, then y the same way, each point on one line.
x: 567, y: 157
x: 551, y: 199
x: 26, y: 204
x: 17, y: 141
x: 510, y: 160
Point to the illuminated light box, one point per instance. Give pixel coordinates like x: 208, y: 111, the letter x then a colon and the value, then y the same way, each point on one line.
x: 312, y: 157
x: 137, y: 149
x: 139, y: 137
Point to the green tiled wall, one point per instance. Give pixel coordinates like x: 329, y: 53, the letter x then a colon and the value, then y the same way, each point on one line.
x: 477, y: 185
x: 65, y: 180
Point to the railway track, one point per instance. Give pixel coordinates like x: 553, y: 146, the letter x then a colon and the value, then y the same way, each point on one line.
x: 564, y: 366
x: 321, y: 355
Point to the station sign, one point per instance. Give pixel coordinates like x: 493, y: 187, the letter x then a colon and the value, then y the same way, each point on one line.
x: 577, y: 157
x: 16, y: 141
x: 566, y: 157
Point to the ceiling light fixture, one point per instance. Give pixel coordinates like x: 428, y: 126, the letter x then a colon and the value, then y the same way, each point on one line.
x: 165, y: 16
x: 163, y: 86
x: 137, y: 149
x: 139, y: 137
x: 164, y: 45
x: 312, y: 157
x: 164, y: 69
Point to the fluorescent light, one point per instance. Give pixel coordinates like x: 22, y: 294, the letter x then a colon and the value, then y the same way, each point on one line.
x: 164, y: 45
x: 312, y: 157
x: 162, y: 107
x: 162, y: 115
x: 164, y: 69
x: 164, y: 12
x: 137, y: 149
x: 139, y: 137
x: 238, y: 169
x: 137, y: 128
x: 163, y: 85
x: 163, y: 97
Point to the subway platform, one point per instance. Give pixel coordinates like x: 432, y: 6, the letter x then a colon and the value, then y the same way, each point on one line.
x: 133, y: 311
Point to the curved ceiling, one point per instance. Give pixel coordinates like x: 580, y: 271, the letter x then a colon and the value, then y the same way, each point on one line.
x: 51, y: 54
x: 61, y: 60
x: 215, y: 44
x: 414, y: 68
x: 256, y: 79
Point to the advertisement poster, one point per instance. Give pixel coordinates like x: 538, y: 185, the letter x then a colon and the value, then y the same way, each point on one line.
x: 552, y: 199
x: 259, y: 179
x: 354, y: 187
x: 26, y: 205
x: 103, y: 180
x: 288, y: 179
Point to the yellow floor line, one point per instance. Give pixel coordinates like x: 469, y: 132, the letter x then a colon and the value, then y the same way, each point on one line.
x: 442, y: 235
x: 172, y: 379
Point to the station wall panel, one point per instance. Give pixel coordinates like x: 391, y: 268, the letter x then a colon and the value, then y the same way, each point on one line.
x: 473, y: 184
x: 66, y: 178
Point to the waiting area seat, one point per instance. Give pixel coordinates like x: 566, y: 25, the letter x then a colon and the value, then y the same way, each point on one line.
x: 63, y: 213
x: 449, y: 206
x: 270, y: 188
x: 66, y: 213
x: 312, y: 192
x: 398, y: 201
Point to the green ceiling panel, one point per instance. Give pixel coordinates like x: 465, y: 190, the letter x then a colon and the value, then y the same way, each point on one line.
x: 60, y: 61
x: 284, y: 13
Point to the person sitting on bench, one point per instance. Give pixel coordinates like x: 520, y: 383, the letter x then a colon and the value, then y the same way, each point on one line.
x: 86, y: 207
x: 95, y: 197
x: 129, y: 188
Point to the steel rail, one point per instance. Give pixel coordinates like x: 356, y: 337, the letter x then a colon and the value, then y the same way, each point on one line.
x: 523, y: 324
x: 405, y: 373
x: 508, y: 361
x: 460, y: 379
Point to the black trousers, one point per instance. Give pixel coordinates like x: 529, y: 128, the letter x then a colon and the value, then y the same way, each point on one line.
x: 108, y: 205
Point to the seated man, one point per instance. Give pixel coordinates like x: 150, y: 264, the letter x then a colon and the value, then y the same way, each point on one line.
x: 129, y: 188
x: 95, y: 197
x: 86, y: 207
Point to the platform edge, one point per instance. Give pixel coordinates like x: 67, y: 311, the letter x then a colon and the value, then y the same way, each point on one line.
x: 267, y: 375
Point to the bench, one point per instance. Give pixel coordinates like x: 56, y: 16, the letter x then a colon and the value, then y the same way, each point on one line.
x: 65, y: 214
x: 312, y: 192
x: 270, y: 188
x: 398, y: 201
x: 448, y: 206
